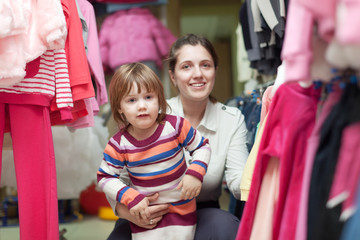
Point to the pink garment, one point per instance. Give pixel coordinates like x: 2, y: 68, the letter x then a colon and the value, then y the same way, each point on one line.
x: 347, y: 173
x: 93, y: 53
x: 45, y: 29
x: 265, y: 103
x: 327, y: 9
x: 290, y: 121
x: 297, y: 50
x: 268, y: 196
x: 88, y: 119
x: 14, y: 15
x: 51, y: 83
x: 80, y: 79
x: 312, y: 145
x: 35, y: 168
x: 133, y: 35
x: 348, y: 22
x: 79, y: 72
x: 325, y: 16
x: 124, y: 1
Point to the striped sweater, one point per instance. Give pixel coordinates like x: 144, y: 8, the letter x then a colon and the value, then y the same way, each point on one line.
x: 156, y: 164
x: 52, y: 80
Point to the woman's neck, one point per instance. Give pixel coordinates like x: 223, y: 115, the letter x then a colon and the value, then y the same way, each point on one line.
x: 194, y: 111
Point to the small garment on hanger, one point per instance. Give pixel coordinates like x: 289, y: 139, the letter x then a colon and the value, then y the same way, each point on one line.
x: 93, y: 54
x: 134, y: 35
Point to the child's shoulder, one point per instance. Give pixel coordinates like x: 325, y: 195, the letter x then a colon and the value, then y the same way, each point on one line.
x: 117, y: 136
x: 173, y: 119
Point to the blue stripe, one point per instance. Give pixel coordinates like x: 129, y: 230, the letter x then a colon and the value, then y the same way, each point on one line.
x: 113, y: 161
x: 122, y: 193
x: 181, y: 202
x: 189, y: 136
x: 155, y: 158
x: 158, y: 172
x: 200, y: 163
x: 106, y: 173
x: 199, y: 145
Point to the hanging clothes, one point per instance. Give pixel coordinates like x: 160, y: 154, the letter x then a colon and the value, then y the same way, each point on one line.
x: 27, y: 104
x: 297, y: 125
x: 312, y: 144
x: 323, y: 223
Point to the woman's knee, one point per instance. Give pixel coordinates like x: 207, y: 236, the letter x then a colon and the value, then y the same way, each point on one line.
x: 216, y: 224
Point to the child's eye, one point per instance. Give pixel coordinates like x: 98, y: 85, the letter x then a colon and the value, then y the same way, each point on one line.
x: 148, y: 97
x: 131, y: 100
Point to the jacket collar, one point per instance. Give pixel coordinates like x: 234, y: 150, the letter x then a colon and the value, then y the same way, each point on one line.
x: 209, y: 121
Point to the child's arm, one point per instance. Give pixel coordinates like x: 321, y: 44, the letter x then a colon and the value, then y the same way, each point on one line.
x: 108, y: 178
x: 190, y: 187
x: 199, y: 149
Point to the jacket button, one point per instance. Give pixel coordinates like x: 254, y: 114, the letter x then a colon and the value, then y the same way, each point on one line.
x: 223, y: 108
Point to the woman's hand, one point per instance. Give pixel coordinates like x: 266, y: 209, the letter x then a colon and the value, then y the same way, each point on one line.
x: 156, y: 213
x: 141, y: 210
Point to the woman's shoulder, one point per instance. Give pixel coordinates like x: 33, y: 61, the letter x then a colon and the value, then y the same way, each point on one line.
x: 227, y: 111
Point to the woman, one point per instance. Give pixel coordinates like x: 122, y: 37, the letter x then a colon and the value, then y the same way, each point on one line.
x: 192, y: 68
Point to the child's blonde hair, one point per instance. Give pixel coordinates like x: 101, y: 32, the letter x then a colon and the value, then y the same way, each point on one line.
x: 122, y: 82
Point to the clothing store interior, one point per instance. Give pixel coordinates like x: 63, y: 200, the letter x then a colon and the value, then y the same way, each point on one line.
x: 288, y: 66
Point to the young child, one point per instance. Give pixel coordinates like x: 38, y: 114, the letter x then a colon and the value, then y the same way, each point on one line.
x: 150, y: 147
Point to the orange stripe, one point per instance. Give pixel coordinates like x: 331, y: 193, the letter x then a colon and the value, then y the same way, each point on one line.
x: 184, y: 130
x: 109, y: 150
x: 129, y: 196
x: 197, y: 168
x: 184, y: 208
x: 133, y: 157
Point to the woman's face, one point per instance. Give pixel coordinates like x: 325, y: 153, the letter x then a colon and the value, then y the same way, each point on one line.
x: 194, y: 73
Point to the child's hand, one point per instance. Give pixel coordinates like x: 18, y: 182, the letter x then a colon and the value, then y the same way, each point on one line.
x: 141, y: 210
x: 190, y: 186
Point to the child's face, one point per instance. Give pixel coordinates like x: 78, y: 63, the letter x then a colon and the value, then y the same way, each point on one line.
x: 140, y: 109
